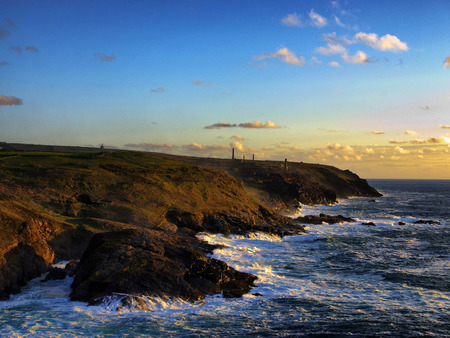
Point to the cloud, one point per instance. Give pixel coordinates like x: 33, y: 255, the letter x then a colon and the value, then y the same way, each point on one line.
x: 292, y: 20
x: 16, y: 49
x: 331, y: 48
x: 259, y: 125
x: 10, y: 101
x: 201, y: 148
x: 156, y: 147
x: 285, y: 55
x: 10, y: 23
x: 387, y: 42
x: 334, y: 64
x: 338, y: 22
x: 447, y: 62
x: 239, y: 146
x: 4, y: 33
x: 266, y: 148
x: 442, y: 126
x: 220, y: 125
x: 105, y: 58
x: 237, y: 137
x: 4, y: 63
x: 201, y: 83
x: 158, y: 90
x: 399, y: 142
x: 317, y: 20
x: 400, y: 150
x: 331, y: 37
x: 31, y: 49
x: 378, y: 132
x: 286, y: 145
x: 359, y: 57
x: 333, y: 130
x: 432, y: 140
x: 411, y: 132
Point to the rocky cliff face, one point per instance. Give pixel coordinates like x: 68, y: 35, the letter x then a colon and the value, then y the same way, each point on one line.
x: 132, y: 218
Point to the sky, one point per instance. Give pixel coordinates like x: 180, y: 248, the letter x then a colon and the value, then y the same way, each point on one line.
x: 361, y: 85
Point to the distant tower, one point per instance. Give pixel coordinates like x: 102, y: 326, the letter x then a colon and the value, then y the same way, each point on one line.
x: 232, y: 153
x: 285, y: 164
x: 253, y: 157
x: 102, y: 146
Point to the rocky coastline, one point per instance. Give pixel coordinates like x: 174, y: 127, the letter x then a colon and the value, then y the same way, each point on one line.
x: 131, y: 218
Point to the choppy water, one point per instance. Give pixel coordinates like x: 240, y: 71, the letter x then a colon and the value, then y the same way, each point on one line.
x: 344, y: 279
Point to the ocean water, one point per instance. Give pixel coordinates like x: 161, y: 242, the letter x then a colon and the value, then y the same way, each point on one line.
x: 337, y: 280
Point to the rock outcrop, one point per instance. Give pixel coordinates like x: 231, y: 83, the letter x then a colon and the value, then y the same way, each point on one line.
x: 323, y: 218
x: 154, y: 263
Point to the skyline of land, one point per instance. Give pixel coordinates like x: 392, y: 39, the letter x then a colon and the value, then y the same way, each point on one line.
x: 358, y: 85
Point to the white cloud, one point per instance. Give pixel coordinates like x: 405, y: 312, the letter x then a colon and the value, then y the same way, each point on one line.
x: 196, y: 147
x: 238, y: 137
x: 286, y: 145
x: 285, y: 55
x: 333, y: 38
x: 447, y: 62
x: 378, y: 132
x: 239, y: 146
x: 411, y: 132
x: 259, y: 125
x: 331, y: 48
x: 400, y: 150
x: 359, y: 57
x: 334, y: 64
x: 317, y: 20
x: 387, y: 42
x: 338, y: 22
x: 292, y: 20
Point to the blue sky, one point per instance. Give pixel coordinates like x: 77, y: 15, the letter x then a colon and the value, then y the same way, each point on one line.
x: 363, y: 85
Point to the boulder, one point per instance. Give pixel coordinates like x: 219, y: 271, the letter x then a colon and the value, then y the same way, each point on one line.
x: 323, y: 218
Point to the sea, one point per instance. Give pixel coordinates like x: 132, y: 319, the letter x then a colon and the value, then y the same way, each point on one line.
x: 389, y: 279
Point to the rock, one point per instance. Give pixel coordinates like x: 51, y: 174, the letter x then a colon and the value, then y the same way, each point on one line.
x: 368, y: 223
x: 55, y: 274
x: 71, y: 267
x: 323, y: 218
x: 426, y: 222
x: 401, y: 223
x: 156, y: 264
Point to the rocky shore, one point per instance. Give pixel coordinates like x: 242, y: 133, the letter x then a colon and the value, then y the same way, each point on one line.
x: 131, y: 218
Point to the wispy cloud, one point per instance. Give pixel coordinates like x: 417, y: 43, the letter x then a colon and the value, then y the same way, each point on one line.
x: 447, y: 62
x: 202, y: 83
x: 331, y: 48
x: 334, y: 64
x: 411, y: 132
x: 286, y: 145
x: 387, y: 42
x: 443, y: 126
x: 4, y: 63
x: 10, y: 23
x: 378, y: 132
x: 259, y: 125
x: 292, y: 20
x: 156, y: 147
x: 31, y: 49
x: 105, y: 58
x: 432, y: 140
x: 220, y: 125
x: 333, y: 130
x: 237, y: 137
x: 197, y: 147
x: 158, y: 90
x: 16, y: 49
x: 317, y: 20
x: 10, y: 101
x: 285, y: 55
x: 4, y: 33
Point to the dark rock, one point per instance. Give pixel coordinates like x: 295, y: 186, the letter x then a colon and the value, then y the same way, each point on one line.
x: 401, y: 223
x: 55, y: 274
x: 71, y: 267
x: 426, y: 222
x: 153, y: 263
x: 322, y: 218
x: 368, y: 223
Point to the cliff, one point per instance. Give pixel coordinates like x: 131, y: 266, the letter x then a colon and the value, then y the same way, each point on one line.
x: 132, y: 216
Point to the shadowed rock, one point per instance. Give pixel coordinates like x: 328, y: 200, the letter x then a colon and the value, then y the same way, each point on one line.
x: 323, y: 218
